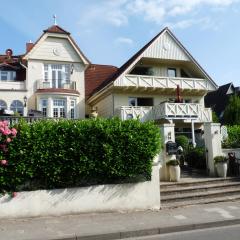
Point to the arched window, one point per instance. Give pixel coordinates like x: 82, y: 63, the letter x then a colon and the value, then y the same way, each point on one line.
x: 17, y: 107
x: 3, y: 105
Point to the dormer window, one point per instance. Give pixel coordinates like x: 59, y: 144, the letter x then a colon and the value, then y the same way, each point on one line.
x: 7, y: 75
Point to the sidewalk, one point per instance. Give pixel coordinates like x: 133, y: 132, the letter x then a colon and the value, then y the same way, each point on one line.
x: 121, y: 225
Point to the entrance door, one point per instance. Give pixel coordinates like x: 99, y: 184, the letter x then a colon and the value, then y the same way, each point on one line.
x: 59, y: 108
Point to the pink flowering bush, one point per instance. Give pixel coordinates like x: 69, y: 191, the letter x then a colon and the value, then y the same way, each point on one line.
x: 6, y: 136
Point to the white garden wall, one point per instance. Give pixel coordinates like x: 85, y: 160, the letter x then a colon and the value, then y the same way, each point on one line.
x: 231, y: 150
x: 120, y: 197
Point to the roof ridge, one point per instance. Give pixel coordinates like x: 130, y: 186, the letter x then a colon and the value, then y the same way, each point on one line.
x: 56, y: 29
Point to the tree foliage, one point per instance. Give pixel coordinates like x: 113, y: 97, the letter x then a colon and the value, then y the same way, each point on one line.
x: 232, y: 112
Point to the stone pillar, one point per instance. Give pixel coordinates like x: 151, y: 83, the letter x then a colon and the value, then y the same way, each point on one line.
x: 167, y: 134
x: 212, y: 137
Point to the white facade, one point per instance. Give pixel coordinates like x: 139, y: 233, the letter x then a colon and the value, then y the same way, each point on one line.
x: 54, y: 81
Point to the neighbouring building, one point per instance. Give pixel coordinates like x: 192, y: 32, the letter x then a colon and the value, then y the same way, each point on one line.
x: 218, y: 100
x: 161, y: 82
x: 48, y: 77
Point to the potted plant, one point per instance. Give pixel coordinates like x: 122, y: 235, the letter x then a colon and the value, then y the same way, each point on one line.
x: 221, y: 166
x: 174, y: 170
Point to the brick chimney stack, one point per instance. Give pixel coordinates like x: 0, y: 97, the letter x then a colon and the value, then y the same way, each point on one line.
x: 29, y: 46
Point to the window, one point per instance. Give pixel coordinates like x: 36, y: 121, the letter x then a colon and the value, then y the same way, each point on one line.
x: 140, y: 101
x: 172, y: 72
x: 7, y: 75
x: 44, y: 104
x: 3, y: 105
x: 56, y: 75
x: 17, y: 107
x: 59, y: 108
x: 72, y: 109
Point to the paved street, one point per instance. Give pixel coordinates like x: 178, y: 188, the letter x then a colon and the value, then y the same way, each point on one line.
x: 219, y: 233
x: 121, y: 225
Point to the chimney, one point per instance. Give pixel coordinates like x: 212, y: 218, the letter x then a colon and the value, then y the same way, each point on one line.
x: 29, y: 46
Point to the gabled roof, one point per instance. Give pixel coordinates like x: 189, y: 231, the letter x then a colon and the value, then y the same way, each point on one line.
x: 59, y: 30
x: 95, y: 74
x: 218, y: 99
x: 134, y: 58
x: 56, y: 29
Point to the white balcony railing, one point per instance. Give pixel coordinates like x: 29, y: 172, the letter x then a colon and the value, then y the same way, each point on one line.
x: 13, y: 85
x: 42, y: 84
x: 184, y: 111
x: 130, y: 80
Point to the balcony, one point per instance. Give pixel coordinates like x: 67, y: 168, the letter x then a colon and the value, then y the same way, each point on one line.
x: 170, y: 111
x: 158, y: 82
x: 69, y: 85
x: 13, y: 85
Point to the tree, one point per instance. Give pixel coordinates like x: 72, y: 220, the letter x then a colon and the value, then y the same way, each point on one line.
x: 232, y: 112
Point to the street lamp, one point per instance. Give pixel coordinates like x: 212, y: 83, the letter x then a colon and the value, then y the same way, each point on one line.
x: 25, y: 101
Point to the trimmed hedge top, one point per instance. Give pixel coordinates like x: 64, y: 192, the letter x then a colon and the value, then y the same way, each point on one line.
x: 64, y: 153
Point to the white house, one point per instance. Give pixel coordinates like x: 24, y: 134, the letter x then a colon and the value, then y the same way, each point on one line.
x: 49, y: 77
x: 161, y: 82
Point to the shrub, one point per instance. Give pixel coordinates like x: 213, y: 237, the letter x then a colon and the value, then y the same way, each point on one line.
x: 195, y: 157
x: 54, y: 154
x: 220, y: 159
x: 173, y: 163
x: 182, y: 141
x: 233, y: 140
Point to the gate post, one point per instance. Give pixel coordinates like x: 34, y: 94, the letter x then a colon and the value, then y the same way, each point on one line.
x: 212, y: 137
x: 167, y: 134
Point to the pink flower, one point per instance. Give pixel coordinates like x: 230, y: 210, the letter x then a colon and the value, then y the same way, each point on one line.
x: 5, y: 122
x: 4, y: 162
x: 6, y: 132
x: 14, y: 131
x: 8, y: 140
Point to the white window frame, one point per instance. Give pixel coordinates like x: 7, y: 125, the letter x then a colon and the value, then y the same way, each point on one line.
x: 59, y: 108
x: 10, y: 75
x: 3, y: 105
x: 73, y: 108
x: 44, y: 107
x: 62, y: 75
x: 17, y: 106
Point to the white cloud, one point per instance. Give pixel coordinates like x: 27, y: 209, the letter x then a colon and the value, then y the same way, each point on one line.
x: 124, y: 40
x: 118, y: 12
x: 204, y: 23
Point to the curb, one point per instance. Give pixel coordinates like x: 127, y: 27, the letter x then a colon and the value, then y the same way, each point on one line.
x: 153, y: 231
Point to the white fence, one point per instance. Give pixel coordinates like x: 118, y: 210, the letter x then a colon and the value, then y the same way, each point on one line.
x: 167, y: 111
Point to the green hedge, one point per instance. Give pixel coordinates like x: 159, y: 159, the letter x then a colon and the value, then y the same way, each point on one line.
x: 233, y: 140
x: 182, y: 141
x: 54, y: 154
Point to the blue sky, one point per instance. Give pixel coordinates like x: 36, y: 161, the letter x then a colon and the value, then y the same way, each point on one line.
x: 111, y: 31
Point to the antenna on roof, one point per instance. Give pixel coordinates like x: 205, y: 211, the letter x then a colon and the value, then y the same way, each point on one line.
x: 55, y: 19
